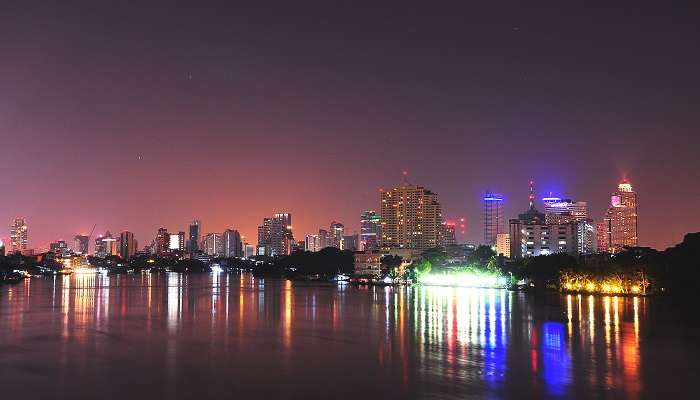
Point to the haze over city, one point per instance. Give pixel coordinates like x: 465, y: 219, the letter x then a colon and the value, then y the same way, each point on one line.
x: 131, y: 118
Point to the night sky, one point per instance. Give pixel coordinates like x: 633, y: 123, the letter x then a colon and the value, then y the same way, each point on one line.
x: 134, y: 117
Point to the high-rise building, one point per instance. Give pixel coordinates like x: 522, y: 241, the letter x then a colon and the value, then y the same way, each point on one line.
x: 562, y: 211
x: 195, y: 235
x: 602, y: 236
x: 311, y: 243
x: 127, y: 245
x: 411, y: 217
x: 233, y: 246
x: 503, y: 244
x: 80, y: 244
x: 176, y: 242
x: 275, y: 236
x: 19, y: 235
x: 213, y: 245
x: 325, y: 239
x: 620, y: 220
x: 567, y: 211
x: 106, y: 245
x: 448, y: 234
x: 337, y: 231
x: 162, y: 241
x: 530, y: 235
x: 494, y: 222
x: 370, y: 230
x: 586, y: 236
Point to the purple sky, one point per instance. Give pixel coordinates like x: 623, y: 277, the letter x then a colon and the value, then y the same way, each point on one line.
x: 134, y: 117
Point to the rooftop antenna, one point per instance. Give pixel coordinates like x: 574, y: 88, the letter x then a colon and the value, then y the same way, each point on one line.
x: 532, y: 194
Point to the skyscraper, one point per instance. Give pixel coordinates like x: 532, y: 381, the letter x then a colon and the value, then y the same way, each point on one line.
x: 195, y: 234
x: 233, y: 246
x: 264, y: 237
x: 370, y: 230
x: 176, y: 242
x: 19, y: 235
x: 80, y: 244
x: 620, y: 221
x: 275, y: 236
x: 311, y: 243
x: 214, y: 245
x: 337, y: 231
x: 448, y: 234
x: 127, y: 245
x: 494, y: 223
x: 561, y: 211
x: 162, y: 241
x: 410, y: 218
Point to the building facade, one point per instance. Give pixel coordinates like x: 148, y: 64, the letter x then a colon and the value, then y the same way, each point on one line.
x: 368, y: 264
x: 503, y: 244
x: 370, y: 230
x: 233, y: 245
x: 80, y: 244
x: 494, y: 222
x: 127, y: 245
x: 19, y: 235
x: 620, y: 222
x: 411, y: 217
x: 194, y: 236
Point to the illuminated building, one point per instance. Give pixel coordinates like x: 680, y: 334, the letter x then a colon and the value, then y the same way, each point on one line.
x: 448, y: 235
x: 494, y: 222
x: 503, y: 244
x: 127, y: 245
x: 233, y: 246
x: 620, y: 221
x: 368, y: 264
x: 602, y: 236
x: 106, y: 246
x: 2, y: 248
x: 19, y: 235
x: 195, y: 234
x: 530, y: 235
x: 275, y: 236
x: 80, y: 244
x: 162, y: 241
x: 176, y: 242
x: 311, y: 243
x: 337, y: 231
x: 370, y: 230
x: 562, y: 211
x: 586, y: 237
x: 325, y: 239
x: 213, y: 245
x: 411, y: 217
x: 566, y: 211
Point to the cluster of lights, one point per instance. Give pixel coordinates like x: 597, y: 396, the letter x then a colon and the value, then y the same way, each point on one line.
x: 606, y: 284
x: 464, y: 279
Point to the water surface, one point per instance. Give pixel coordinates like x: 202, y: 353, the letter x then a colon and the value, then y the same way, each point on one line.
x: 207, y: 336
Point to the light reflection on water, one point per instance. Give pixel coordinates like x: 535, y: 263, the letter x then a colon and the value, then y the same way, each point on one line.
x: 239, y: 331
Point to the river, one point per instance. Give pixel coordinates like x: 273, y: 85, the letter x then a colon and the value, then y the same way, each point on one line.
x: 154, y: 336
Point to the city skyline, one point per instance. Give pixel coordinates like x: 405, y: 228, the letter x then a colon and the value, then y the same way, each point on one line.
x: 130, y: 118
x: 551, y: 203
